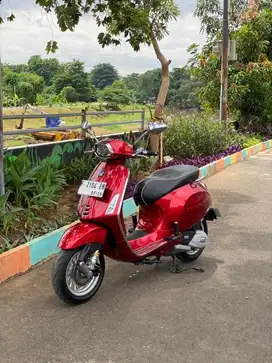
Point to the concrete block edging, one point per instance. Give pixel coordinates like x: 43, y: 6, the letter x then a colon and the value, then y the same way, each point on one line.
x: 20, y: 259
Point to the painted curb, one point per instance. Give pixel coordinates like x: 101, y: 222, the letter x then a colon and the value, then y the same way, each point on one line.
x: 22, y: 258
x: 14, y: 262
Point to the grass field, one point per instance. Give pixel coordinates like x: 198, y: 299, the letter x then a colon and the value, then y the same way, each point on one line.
x: 40, y: 122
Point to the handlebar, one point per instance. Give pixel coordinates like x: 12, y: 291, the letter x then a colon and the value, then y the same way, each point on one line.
x: 149, y: 153
x: 145, y: 153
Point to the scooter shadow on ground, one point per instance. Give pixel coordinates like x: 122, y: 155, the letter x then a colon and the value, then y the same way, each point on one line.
x: 138, y: 280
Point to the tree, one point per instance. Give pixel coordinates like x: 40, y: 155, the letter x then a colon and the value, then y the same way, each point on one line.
x: 18, y: 68
x: 131, y: 81
x: 28, y: 84
x: 46, y: 68
x: 115, y: 95
x: 149, y: 86
x: 250, y: 79
x: 210, y: 14
x: 103, y: 75
x: 69, y: 94
x: 138, y: 22
x: 25, y: 91
x: 255, y: 37
x: 36, y: 81
x: 183, y: 89
x: 74, y: 76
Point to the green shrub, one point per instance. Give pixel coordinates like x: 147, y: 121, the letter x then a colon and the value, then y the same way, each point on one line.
x: 41, y: 184
x: 29, y: 189
x: 80, y: 168
x: 9, y: 215
x: 140, y: 165
x: 251, y: 141
x: 197, y: 135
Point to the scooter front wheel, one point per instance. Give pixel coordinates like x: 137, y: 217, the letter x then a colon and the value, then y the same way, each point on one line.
x: 69, y: 283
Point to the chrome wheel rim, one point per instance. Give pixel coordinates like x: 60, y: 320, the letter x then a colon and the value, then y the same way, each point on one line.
x: 78, y: 284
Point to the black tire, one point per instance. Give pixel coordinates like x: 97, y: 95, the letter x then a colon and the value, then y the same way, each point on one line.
x: 187, y: 258
x: 59, y: 278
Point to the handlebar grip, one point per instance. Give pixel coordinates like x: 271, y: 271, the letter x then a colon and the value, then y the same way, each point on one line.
x: 150, y: 153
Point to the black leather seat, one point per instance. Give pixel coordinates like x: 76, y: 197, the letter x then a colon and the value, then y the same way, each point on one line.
x: 162, y: 182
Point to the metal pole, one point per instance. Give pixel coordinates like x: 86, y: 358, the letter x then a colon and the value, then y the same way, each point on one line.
x: 2, y: 181
x: 225, y: 64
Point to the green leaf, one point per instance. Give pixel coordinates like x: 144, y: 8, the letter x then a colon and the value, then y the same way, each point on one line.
x: 11, y: 17
x: 51, y: 47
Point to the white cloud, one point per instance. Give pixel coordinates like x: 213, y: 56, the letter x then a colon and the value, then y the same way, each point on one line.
x: 31, y: 30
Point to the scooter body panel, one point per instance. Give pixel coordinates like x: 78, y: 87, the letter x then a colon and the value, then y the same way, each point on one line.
x: 81, y: 234
x: 103, y: 222
x: 107, y: 211
x: 186, y: 205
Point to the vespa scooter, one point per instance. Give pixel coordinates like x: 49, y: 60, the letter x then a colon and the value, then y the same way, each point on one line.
x: 174, y: 206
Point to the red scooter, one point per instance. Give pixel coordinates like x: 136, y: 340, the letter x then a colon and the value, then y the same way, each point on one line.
x: 174, y: 206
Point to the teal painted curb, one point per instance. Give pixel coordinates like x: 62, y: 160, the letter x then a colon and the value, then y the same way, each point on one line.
x: 47, y: 245
x: 129, y: 208
x: 42, y: 247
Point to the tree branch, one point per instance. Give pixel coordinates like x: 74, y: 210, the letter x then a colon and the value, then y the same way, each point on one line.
x: 157, y: 50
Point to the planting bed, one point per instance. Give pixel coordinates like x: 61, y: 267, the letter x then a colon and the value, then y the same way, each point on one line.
x: 198, y: 161
x: 51, y: 219
x: 22, y: 258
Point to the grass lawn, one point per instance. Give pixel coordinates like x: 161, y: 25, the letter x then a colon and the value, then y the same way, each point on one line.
x: 40, y: 122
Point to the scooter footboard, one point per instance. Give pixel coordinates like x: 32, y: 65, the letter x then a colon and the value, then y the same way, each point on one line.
x: 81, y: 234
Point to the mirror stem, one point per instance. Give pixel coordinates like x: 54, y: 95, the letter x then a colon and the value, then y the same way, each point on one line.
x: 141, y: 137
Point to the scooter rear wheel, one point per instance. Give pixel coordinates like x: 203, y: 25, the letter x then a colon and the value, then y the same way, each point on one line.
x: 69, y: 283
x: 190, y: 256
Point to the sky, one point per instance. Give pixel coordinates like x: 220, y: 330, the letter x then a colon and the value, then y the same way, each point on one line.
x: 32, y: 28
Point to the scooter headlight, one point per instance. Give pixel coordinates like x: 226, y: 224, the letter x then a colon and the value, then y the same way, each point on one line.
x: 103, y: 150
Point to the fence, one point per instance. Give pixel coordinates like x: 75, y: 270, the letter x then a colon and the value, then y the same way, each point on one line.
x: 83, y: 114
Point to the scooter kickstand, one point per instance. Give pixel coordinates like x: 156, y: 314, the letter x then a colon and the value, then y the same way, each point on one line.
x: 175, y: 267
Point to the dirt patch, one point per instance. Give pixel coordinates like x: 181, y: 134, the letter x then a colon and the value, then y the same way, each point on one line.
x: 67, y: 204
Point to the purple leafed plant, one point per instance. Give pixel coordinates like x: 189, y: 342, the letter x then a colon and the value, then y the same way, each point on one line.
x: 198, y: 161
x: 130, y: 188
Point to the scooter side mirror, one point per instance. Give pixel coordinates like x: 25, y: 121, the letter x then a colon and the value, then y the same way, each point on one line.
x: 86, y: 126
x: 156, y: 127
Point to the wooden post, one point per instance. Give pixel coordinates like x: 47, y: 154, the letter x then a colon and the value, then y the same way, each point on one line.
x: 154, y: 142
x: 143, y: 120
x: 83, y: 119
x: 161, y: 150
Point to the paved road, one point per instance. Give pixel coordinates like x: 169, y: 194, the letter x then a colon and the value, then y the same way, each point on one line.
x: 223, y: 315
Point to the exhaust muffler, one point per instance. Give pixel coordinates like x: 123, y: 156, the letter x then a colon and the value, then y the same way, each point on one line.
x: 199, y: 240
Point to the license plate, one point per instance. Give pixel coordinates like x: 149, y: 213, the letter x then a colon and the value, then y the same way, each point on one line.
x: 92, y: 188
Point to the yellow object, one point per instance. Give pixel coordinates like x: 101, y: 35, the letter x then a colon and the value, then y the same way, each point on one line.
x: 58, y: 137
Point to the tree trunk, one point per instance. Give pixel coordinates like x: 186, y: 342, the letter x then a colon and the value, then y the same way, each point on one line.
x: 165, y: 80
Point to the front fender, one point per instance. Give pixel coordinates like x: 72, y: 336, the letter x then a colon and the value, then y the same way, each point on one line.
x: 81, y: 234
